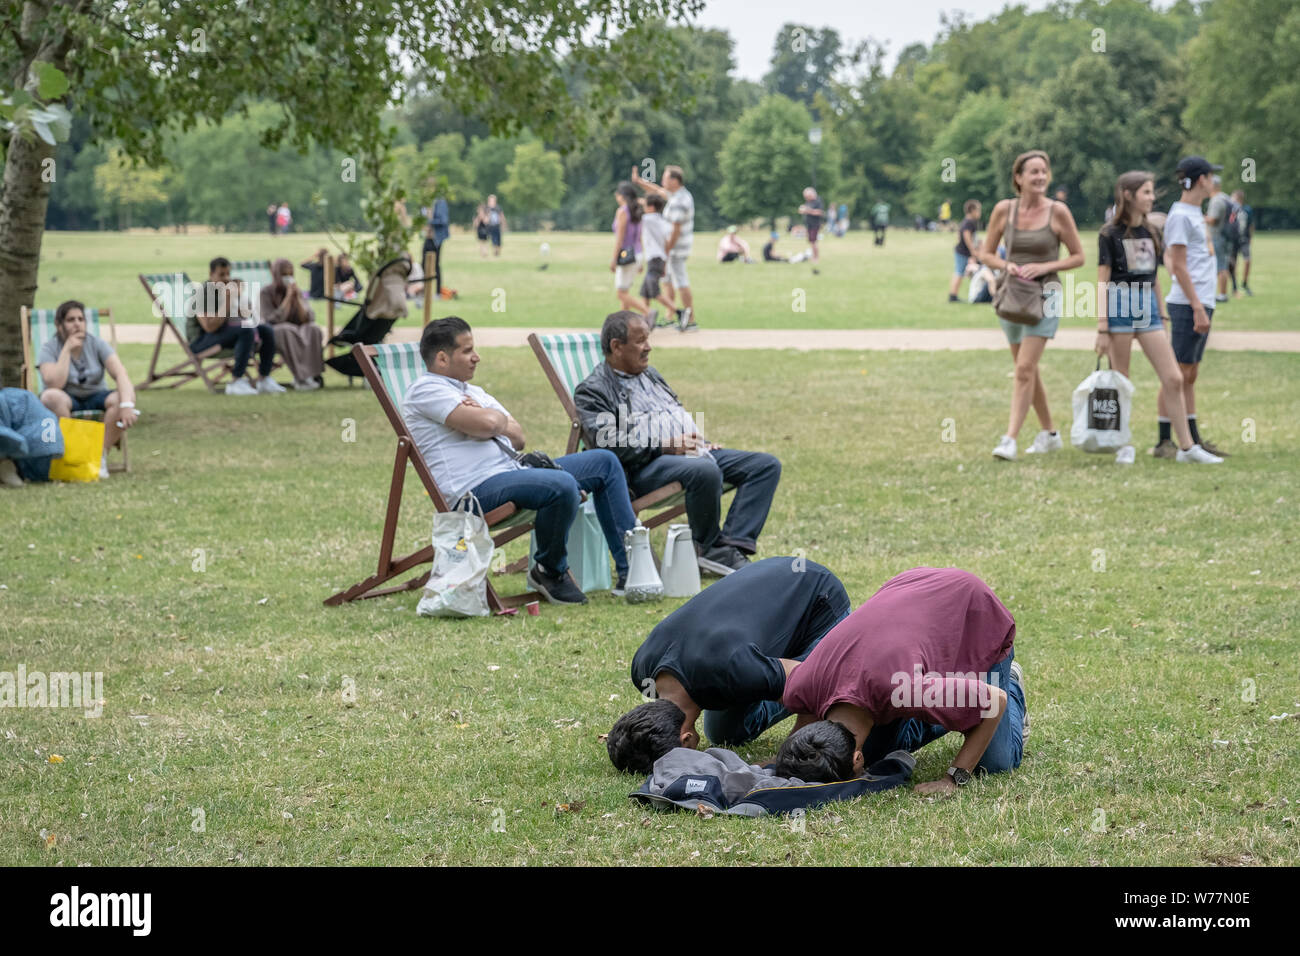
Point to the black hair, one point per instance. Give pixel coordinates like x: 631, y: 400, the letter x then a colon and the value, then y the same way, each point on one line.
x: 220, y: 262
x: 642, y: 736
x: 440, y: 335
x: 628, y: 192
x: 655, y: 201
x: 821, y: 752
x: 615, y: 328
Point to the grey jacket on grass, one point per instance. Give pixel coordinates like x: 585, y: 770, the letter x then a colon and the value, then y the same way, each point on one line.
x: 724, y: 783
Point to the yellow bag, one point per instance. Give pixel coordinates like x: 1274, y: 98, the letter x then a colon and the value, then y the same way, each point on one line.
x: 83, y: 450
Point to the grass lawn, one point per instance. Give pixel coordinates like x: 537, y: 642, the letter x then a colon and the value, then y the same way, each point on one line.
x: 903, y: 285
x: 1149, y: 602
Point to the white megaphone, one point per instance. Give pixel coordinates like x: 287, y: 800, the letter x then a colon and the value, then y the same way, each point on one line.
x: 643, y: 582
x: 681, y: 572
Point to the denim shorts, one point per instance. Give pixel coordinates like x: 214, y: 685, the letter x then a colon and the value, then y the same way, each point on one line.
x: 91, y: 403
x: 959, y: 263
x: 1015, y: 332
x: 1132, y: 308
x: 1189, y: 345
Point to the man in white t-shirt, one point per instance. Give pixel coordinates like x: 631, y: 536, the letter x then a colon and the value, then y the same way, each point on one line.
x: 471, y: 443
x: 1191, y: 294
x: 680, y: 215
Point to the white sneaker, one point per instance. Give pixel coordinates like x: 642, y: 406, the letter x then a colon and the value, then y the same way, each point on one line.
x: 1018, y: 675
x: 1006, y: 449
x: 1125, y: 455
x: 241, y: 386
x: 269, y: 386
x: 310, y: 385
x: 1198, y: 456
x: 1044, y: 442
x: 103, y: 467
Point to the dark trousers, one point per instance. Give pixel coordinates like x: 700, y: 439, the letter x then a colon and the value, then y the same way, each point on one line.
x: 242, y: 341
x: 554, y: 495
x: 755, y: 475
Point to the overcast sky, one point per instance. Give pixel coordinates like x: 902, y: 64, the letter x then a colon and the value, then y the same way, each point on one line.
x: 753, y: 24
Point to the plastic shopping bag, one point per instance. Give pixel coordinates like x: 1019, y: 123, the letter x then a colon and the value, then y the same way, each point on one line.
x: 462, y: 555
x: 588, y: 553
x: 83, y: 450
x: 1103, y: 404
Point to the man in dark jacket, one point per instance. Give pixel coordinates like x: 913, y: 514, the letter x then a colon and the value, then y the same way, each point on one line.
x: 627, y: 407
x: 726, y: 655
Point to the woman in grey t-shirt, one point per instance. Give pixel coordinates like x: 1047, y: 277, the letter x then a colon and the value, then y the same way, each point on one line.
x: 72, y: 366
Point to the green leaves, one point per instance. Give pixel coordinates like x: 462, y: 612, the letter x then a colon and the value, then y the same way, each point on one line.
x: 51, y: 83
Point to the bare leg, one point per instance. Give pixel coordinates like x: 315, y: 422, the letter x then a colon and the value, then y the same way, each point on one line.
x: 1027, y: 385
x: 688, y: 301
x: 58, y: 401
x: 1171, y: 403
x: 112, y: 434
x: 630, y: 303
x: 955, y: 284
x: 1189, y: 387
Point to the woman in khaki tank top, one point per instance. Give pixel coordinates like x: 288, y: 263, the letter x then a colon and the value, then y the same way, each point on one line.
x: 1041, y: 226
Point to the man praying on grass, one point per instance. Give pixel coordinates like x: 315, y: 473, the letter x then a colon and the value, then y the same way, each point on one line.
x: 726, y: 654
x: 929, y: 653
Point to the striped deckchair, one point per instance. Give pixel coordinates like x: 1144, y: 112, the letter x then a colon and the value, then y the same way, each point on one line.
x: 255, y: 272
x: 568, y: 359
x: 168, y: 295
x: 38, y: 328
x: 390, y: 370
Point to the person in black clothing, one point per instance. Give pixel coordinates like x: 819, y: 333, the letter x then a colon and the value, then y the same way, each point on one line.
x: 315, y: 267
x: 966, y: 245
x: 725, y: 654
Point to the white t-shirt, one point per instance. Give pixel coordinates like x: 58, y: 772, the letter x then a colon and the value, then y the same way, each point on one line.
x: 458, y: 461
x: 1185, y: 226
x: 654, y: 233
x: 681, y: 208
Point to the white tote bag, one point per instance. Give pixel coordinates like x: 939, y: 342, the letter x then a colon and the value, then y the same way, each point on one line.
x: 1103, y: 405
x: 462, y: 555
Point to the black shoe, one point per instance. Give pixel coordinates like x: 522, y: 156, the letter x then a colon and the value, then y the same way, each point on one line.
x: 720, y: 560
x: 620, y: 589
x: 953, y: 298
x: 556, y: 588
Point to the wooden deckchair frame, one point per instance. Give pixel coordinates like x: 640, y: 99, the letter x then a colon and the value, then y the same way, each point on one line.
x: 209, y: 366
x: 660, y: 497
x: 30, y: 372
x: 407, y: 453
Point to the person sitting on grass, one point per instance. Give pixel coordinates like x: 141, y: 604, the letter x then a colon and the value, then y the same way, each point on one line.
x: 731, y: 247
x: 726, y: 655
x: 472, y: 444
x: 226, y: 320
x: 72, y: 365
x: 930, y: 652
x: 625, y: 405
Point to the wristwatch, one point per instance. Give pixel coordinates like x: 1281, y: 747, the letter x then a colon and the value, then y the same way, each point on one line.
x: 959, y: 776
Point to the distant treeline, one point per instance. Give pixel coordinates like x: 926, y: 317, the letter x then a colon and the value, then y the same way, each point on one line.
x: 1103, y: 87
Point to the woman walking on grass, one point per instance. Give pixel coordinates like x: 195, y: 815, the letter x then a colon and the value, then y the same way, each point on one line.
x: 626, y: 262
x: 1129, y: 304
x: 1039, y: 226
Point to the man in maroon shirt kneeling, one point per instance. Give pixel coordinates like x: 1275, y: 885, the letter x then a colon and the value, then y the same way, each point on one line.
x: 929, y: 653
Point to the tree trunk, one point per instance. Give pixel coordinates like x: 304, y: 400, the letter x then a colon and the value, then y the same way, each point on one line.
x: 23, y: 201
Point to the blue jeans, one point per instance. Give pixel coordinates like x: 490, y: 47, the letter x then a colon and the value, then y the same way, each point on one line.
x: 755, y: 475
x: 554, y: 495
x: 241, y: 340
x: 746, y: 722
x: 1004, y: 750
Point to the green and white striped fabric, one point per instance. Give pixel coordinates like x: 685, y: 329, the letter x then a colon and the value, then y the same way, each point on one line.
x: 256, y: 272
x: 169, y: 289
x: 399, y: 366
x: 573, y: 356
x: 42, y: 324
